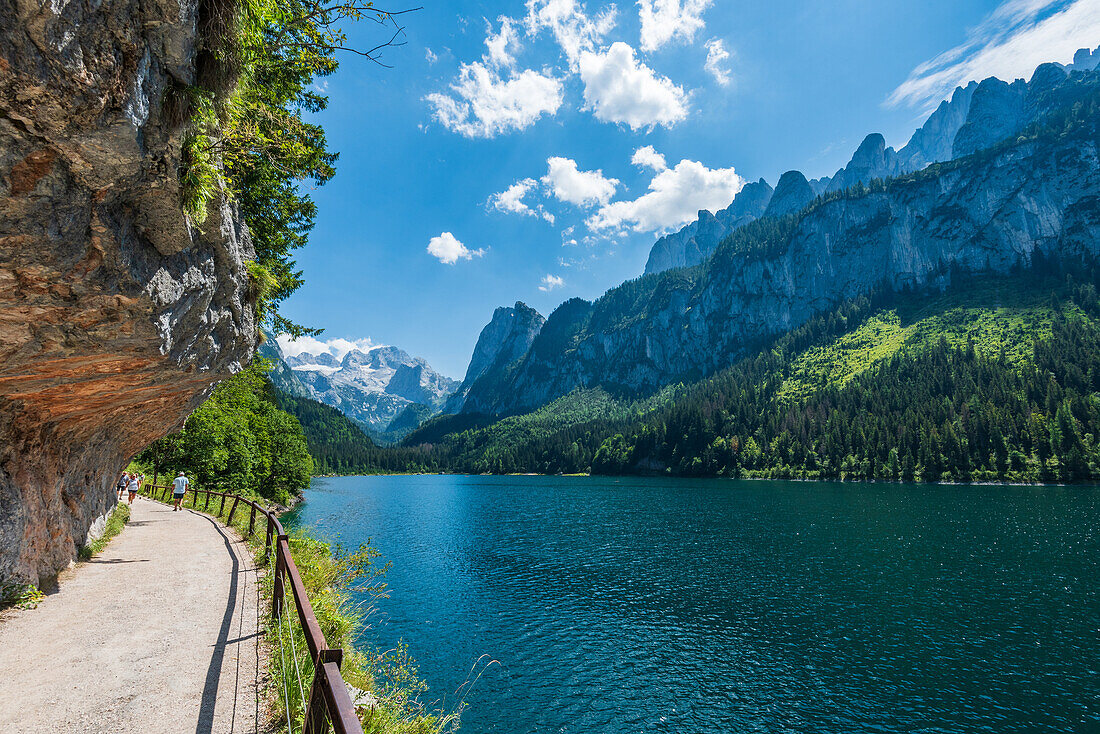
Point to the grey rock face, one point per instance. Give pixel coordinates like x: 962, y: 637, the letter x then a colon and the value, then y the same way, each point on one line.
x: 116, y: 315
x: 934, y: 141
x: 996, y: 111
x: 1000, y: 111
x: 697, y: 241
x: 792, y: 194
x: 988, y: 213
x: 281, y: 375
x: 872, y: 160
x: 501, y: 344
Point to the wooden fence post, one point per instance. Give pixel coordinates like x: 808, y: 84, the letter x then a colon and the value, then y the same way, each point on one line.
x: 252, y: 520
x: 267, y: 542
x: 222, y: 508
x: 277, y: 594
x: 233, y: 509
x: 206, y: 506
x: 316, y: 714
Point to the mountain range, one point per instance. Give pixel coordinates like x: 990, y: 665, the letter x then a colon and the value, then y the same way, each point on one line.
x: 1010, y: 181
x: 383, y: 389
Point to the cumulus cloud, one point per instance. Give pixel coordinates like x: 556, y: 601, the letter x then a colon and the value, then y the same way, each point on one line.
x: 502, y: 45
x: 574, y: 186
x: 448, y: 250
x: 568, y: 21
x: 511, y: 201
x: 550, y: 282
x: 484, y: 104
x: 648, y: 157
x: 674, y: 198
x: 717, y: 63
x: 665, y: 20
x: 338, y: 348
x: 1016, y: 37
x: 619, y: 88
x: 490, y: 97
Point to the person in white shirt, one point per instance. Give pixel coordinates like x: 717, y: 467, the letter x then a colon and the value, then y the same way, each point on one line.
x: 179, y: 491
x: 135, y: 485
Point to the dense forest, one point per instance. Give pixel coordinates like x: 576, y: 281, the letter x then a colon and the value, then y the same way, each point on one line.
x: 996, y: 378
x: 239, y: 440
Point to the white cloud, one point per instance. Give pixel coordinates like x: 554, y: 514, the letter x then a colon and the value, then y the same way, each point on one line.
x: 511, y: 201
x: 569, y: 23
x: 582, y: 188
x: 430, y: 56
x: 648, y: 157
x: 717, y: 64
x: 567, y: 238
x: 309, y: 345
x: 619, y: 88
x: 674, y: 198
x: 665, y: 20
x: 1012, y: 40
x: 485, y: 105
x: 503, y: 45
x: 448, y: 250
x: 550, y: 282
x: 489, y: 97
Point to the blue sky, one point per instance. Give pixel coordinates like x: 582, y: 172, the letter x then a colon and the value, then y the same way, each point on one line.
x: 535, y: 149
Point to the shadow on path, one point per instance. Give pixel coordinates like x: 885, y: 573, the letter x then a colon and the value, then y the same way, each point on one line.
x: 213, y: 673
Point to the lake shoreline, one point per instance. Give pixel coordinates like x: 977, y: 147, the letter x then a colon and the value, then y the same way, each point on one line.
x: 979, y: 483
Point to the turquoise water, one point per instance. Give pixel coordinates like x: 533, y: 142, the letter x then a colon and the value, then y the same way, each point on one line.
x: 632, y: 605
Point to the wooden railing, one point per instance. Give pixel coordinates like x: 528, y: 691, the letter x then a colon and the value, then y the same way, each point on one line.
x: 328, y: 700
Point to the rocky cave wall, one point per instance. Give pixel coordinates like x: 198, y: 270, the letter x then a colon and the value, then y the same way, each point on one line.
x: 116, y: 314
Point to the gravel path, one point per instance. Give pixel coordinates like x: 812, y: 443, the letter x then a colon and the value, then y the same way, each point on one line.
x: 159, y: 633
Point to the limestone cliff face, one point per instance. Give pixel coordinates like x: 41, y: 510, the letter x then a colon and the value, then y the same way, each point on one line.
x: 500, y: 346
x: 987, y: 213
x: 697, y: 241
x: 116, y: 315
x: 973, y: 118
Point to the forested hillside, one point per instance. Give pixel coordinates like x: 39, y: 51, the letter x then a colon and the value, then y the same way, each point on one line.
x: 339, y: 446
x: 996, y: 378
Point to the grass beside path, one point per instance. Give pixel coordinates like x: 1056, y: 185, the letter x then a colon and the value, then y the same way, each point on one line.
x: 116, y: 521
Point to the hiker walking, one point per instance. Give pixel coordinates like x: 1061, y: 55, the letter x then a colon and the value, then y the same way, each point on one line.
x: 123, y: 482
x: 133, y: 487
x: 179, y: 490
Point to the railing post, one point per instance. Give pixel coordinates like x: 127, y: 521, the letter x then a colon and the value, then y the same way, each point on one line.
x: 233, y: 509
x: 222, y: 508
x: 316, y: 713
x: 280, y: 566
x: 194, y: 499
x: 206, y: 506
x: 252, y: 520
x: 267, y: 542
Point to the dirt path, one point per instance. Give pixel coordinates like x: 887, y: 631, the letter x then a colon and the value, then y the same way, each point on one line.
x: 159, y: 633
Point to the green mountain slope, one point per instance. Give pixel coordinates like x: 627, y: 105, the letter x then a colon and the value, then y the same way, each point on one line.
x: 339, y: 446
x: 997, y: 378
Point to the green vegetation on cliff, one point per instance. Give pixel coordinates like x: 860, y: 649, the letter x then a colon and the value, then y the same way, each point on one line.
x: 256, y: 67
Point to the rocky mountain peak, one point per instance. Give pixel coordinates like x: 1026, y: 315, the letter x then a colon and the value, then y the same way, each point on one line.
x: 501, y: 344
x: 697, y: 241
x: 792, y: 194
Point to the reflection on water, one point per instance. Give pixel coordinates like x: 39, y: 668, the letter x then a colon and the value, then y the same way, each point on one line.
x: 632, y: 605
